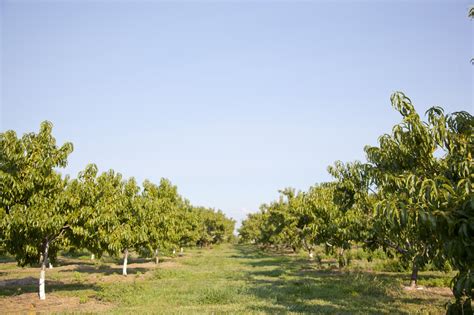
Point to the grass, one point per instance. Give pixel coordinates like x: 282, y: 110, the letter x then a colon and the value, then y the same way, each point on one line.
x: 228, y: 279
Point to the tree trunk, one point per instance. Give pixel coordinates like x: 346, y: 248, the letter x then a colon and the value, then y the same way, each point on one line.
x: 174, y: 251
x: 342, y: 260
x: 125, y: 261
x: 42, y: 280
x: 50, y: 265
x: 181, y: 251
x: 309, y: 249
x: 92, y: 256
x: 414, y: 275
x: 157, y: 258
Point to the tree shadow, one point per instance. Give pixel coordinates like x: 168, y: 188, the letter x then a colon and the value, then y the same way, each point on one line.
x: 61, y: 262
x: 106, y: 269
x: 248, y: 251
x: 294, y: 285
x: 328, y: 295
x: 13, y: 287
x: 269, y: 273
x: 7, y: 259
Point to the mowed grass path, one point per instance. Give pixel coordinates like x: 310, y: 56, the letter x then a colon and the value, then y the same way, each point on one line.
x: 225, y: 279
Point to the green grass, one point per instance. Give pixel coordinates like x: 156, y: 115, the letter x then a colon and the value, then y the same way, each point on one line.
x: 242, y: 279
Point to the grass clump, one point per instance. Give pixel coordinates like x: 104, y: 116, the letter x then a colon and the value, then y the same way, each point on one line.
x: 219, y: 296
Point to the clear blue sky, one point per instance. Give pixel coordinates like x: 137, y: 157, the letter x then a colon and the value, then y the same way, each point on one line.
x: 231, y: 101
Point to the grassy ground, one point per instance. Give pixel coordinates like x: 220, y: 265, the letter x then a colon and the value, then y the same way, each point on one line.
x: 225, y: 279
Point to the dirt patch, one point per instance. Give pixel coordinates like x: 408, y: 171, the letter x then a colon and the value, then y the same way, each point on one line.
x: 116, y: 278
x: 445, y: 292
x: 147, y: 265
x: 440, y: 291
x: 29, y: 303
x: 169, y: 264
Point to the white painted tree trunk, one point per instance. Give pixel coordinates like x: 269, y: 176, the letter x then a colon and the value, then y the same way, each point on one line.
x: 92, y: 256
x: 125, y: 261
x: 42, y: 280
x: 157, y: 257
x: 414, y: 275
x: 174, y: 251
x: 311, y: 255
x: 50, y: 266
x: 42, y: 294
x: 181, y: 251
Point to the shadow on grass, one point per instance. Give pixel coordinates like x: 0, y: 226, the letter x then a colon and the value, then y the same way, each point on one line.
x: 295, y: 285
x: 30, y: 285
x: 61, y: 262
x: 248, y: 254
x: 106, y: 269
x: 7, y: 259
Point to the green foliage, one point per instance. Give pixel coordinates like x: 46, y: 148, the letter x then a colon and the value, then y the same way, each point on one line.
x: 112, y: 217
x: 250, y: 231
x: 413, y: 198
x: 35, y: 208
x: 392, y: 265
x: 422, y: 203
x: 214, y: 227
x: 301, y: 220
x: 41, y: 211
x: 161, y: 205
x: 117, y: 215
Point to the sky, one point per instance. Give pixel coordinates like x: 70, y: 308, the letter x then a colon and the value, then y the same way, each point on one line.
x: 230, y: 100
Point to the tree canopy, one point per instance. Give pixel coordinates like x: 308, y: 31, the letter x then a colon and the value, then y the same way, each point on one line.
x: 413, y: 197
x: 42, y: 211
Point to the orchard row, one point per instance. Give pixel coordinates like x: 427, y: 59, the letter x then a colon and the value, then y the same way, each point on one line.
x: 413, y: 197
x: 42, y: 212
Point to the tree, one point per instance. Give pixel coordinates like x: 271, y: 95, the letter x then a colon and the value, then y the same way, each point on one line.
x: 162, y: 206
x: 131, y: 230
x: 354, y: 198
x: 447, y: 200
x: 298, y: 220
x: 214, y: 227
x: 187, y: 224
x: 249, y: 231
x: 35, y: 209
x: 280, y: 221
x: 90, y: 198
x: 413, y: 197
x: 378, y: 190
x: 112, y: 217
x: 423, y: 193
x: 328, y: 225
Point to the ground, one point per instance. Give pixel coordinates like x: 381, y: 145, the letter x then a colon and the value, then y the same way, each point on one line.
x: 224, y: 279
